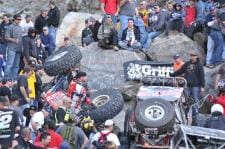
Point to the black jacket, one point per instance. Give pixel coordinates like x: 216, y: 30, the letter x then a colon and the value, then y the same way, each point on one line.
x: 3, y: 28
x: 193, y: 73
x: 29, y: 48
x: 216, y: 121
x: 40, y: 22
x: 94, y: 30
x: 53, y: 17
x: 136, y: 34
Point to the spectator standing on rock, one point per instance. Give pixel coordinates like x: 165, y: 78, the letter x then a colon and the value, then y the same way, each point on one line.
x: 107, y: 34
x: 131, y: 37
x: 53, y: 19
x: 41, y: 21
x: 112, y: 8
x: 210, y: 18
x: 14, y: 38
x: 128, y: 9
x: 26, y: 24
x: 194, y: 74
x: 3, y: 27
x: 29, y: 48
x: 190, y: 18
x: 47, y: 41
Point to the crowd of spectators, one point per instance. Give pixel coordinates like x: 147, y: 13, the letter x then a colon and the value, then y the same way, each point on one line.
x: 26, y: 121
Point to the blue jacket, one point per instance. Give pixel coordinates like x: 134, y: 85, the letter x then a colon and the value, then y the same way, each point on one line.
x: 47, y: 40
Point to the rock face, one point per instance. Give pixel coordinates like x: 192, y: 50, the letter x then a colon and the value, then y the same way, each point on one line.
x: 72, y: 26
x: 33, y: 7
x: 83, y: 5
x: 163, y: 48
x: 105, y: 68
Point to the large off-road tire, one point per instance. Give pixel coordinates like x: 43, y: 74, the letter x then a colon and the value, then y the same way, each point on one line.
x: 155, y: 113
x: 108, y: 102
x: 62, y: 60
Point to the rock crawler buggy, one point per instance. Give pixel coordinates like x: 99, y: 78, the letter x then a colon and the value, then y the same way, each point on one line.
x: 157, y: 113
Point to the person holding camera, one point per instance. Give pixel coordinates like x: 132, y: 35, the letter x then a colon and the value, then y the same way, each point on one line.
x: 107, y: 34
x: 131, y: 37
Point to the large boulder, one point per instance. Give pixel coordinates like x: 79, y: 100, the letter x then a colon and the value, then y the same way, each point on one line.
x: 72, y: 26
x: 164, y: 47
x: 105, y: 68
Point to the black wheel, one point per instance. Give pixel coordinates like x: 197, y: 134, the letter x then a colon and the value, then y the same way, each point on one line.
x: 155, y: 113
x: 62, y: 60
x: 108, y: 102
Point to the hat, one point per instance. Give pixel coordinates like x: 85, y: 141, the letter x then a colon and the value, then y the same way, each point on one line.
x: 47, y: 109
x: 192, y: 52
x: 81, y: 74
x: 176, y: 56
x: 109, y: 122
x: 3, y: 99
x: 32, y: 107
x: 217, y: 108
x: 45, y: 28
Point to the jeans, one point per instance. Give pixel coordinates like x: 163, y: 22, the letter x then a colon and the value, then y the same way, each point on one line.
x: 210, y: 48
x: 124, y: 45
x: 123, y: 24
x: 217, y: 37
x: 194, y: 92
x: 150, y: 38
x: 52, y: 31
x: 12, y: 64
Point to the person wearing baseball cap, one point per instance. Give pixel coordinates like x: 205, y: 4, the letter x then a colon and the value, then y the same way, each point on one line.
x: 194, y: 74
x: 178, y: 63
x: 107, y: 132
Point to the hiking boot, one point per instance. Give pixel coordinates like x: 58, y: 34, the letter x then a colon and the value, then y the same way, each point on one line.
x: 115, y: 48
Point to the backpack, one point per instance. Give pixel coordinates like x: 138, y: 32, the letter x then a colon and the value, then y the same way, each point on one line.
x: 69, y: 137
x: 103, y: 138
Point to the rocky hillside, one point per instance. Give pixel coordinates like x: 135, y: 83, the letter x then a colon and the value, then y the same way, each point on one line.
x: 33, y: 7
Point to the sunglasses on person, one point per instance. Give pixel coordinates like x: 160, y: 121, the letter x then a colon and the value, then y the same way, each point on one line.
x: 192, y: 55
x: 19, y: 19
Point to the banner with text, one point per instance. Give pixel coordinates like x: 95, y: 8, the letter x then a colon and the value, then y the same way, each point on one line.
x: 136, y: 70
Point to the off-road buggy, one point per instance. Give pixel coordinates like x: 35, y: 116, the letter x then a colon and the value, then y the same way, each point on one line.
x: 108, y: 102
x: 158, y: 111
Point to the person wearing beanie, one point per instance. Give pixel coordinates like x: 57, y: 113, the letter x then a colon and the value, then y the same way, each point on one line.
x: 217, y: 120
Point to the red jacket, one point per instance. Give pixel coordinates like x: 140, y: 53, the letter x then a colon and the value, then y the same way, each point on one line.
x: 56, y: 139
x: 190, y: 17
